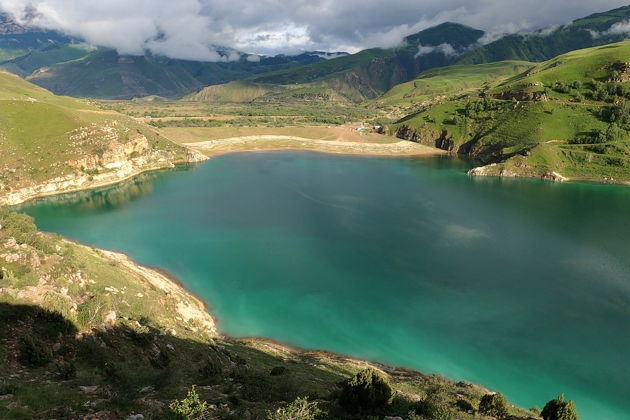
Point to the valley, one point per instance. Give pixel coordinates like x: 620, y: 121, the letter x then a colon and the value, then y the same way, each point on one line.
x: 245, y: 222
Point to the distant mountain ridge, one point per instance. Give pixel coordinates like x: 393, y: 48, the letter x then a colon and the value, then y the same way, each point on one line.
x: 66, y: 67
x: 370, y: 73
x: 591, y: 31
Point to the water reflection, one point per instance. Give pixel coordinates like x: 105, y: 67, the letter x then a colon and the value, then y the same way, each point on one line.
x: 110, y: 198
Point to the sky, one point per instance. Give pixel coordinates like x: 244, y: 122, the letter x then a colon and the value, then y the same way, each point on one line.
x: 191, y: 29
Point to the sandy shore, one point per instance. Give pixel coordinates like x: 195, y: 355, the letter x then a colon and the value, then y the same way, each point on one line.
x: 277, y: 142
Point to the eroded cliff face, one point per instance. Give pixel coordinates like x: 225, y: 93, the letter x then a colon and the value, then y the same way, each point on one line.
x: 516, y: 170
x: 441, y: 140
x: 101, y: 155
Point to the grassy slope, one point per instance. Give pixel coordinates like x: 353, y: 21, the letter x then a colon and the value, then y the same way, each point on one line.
x: 535, y: 136
x: 234, y: 92
x: 450, y: 81
x: 36, y: 129
x: 25, y: 64
x: 85, y: 331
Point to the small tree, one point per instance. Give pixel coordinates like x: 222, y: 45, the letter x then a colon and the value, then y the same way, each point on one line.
x: 368, y: 390
x: 493, y: 405
x: 191, y: 407
x: 436, y: 405
x: 34, y: 352
x: 300, y: 409
x: 559, y: 409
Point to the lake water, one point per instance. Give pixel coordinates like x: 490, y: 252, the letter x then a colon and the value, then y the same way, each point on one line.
x: 521, y: 285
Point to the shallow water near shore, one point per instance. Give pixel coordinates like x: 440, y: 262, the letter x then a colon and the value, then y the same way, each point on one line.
x: 520, y: 285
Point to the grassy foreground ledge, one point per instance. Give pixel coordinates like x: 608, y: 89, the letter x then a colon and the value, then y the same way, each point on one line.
x: 86, y: 333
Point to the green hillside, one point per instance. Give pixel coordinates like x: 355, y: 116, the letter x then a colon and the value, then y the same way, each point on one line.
x: 234, y: 92
x: 69, y: 68
x: 370, y: 73
x: 587, y: 32
x: 258, y: 93
x: 448, y: 81
x: 50, y: 139
x: 569, y: 115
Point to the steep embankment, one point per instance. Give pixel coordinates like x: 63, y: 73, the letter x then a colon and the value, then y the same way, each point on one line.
x: 89, y: 334
x: 567, y: 118
x: 52, y: 144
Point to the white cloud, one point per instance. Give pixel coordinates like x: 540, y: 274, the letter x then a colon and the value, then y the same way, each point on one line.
x: 191, y: 28
x: 444, y: 49
x: 620, y: 28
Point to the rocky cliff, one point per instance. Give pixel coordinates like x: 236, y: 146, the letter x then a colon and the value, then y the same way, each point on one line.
x: 101, y: 154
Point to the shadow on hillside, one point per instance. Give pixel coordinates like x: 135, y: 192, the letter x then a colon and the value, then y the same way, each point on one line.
x: 50, y: 370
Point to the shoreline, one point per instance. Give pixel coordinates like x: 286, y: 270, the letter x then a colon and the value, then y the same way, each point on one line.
x: 90, y: 186
x: 112, y: 180
x: 207, y: 150
x: 145, y: 271
x: 260, y: 143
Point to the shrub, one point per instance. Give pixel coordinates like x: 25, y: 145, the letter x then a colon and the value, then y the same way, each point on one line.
x: 66, y: 371
x: 278, y: 370
x: 191, y: 407
x: 300, y: 409
x: 34, y: 352
x: 436, y: 405
x: 493, y: 405
x: 368, y: 390
x: 559, y: 409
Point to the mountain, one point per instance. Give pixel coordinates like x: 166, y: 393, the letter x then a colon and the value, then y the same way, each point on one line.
x: 566, y: 118
x: 17, y: 40
x: 369, y: 73
x: 78, y: 70
x: 597, y: 29
x: 67, y: 66
x: 72, y: 145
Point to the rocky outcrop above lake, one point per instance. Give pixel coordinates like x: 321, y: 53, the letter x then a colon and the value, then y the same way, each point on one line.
x: 109, y: 159
x: 502, y: 170
x: 441, y: 140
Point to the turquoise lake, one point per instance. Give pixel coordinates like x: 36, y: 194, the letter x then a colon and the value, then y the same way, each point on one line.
x: 520, y: 285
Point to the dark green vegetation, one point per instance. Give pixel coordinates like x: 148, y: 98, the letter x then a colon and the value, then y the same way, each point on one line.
x: 566, y: 116
x: 83, y: 331
x: 493, y: 405
x: 367, y: 391
x: 594, y: 30
x: 559, y: 409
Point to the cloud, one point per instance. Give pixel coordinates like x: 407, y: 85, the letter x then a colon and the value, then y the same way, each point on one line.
x: 444, y: 49
x: 191, y: 29
x: 619, y: 28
